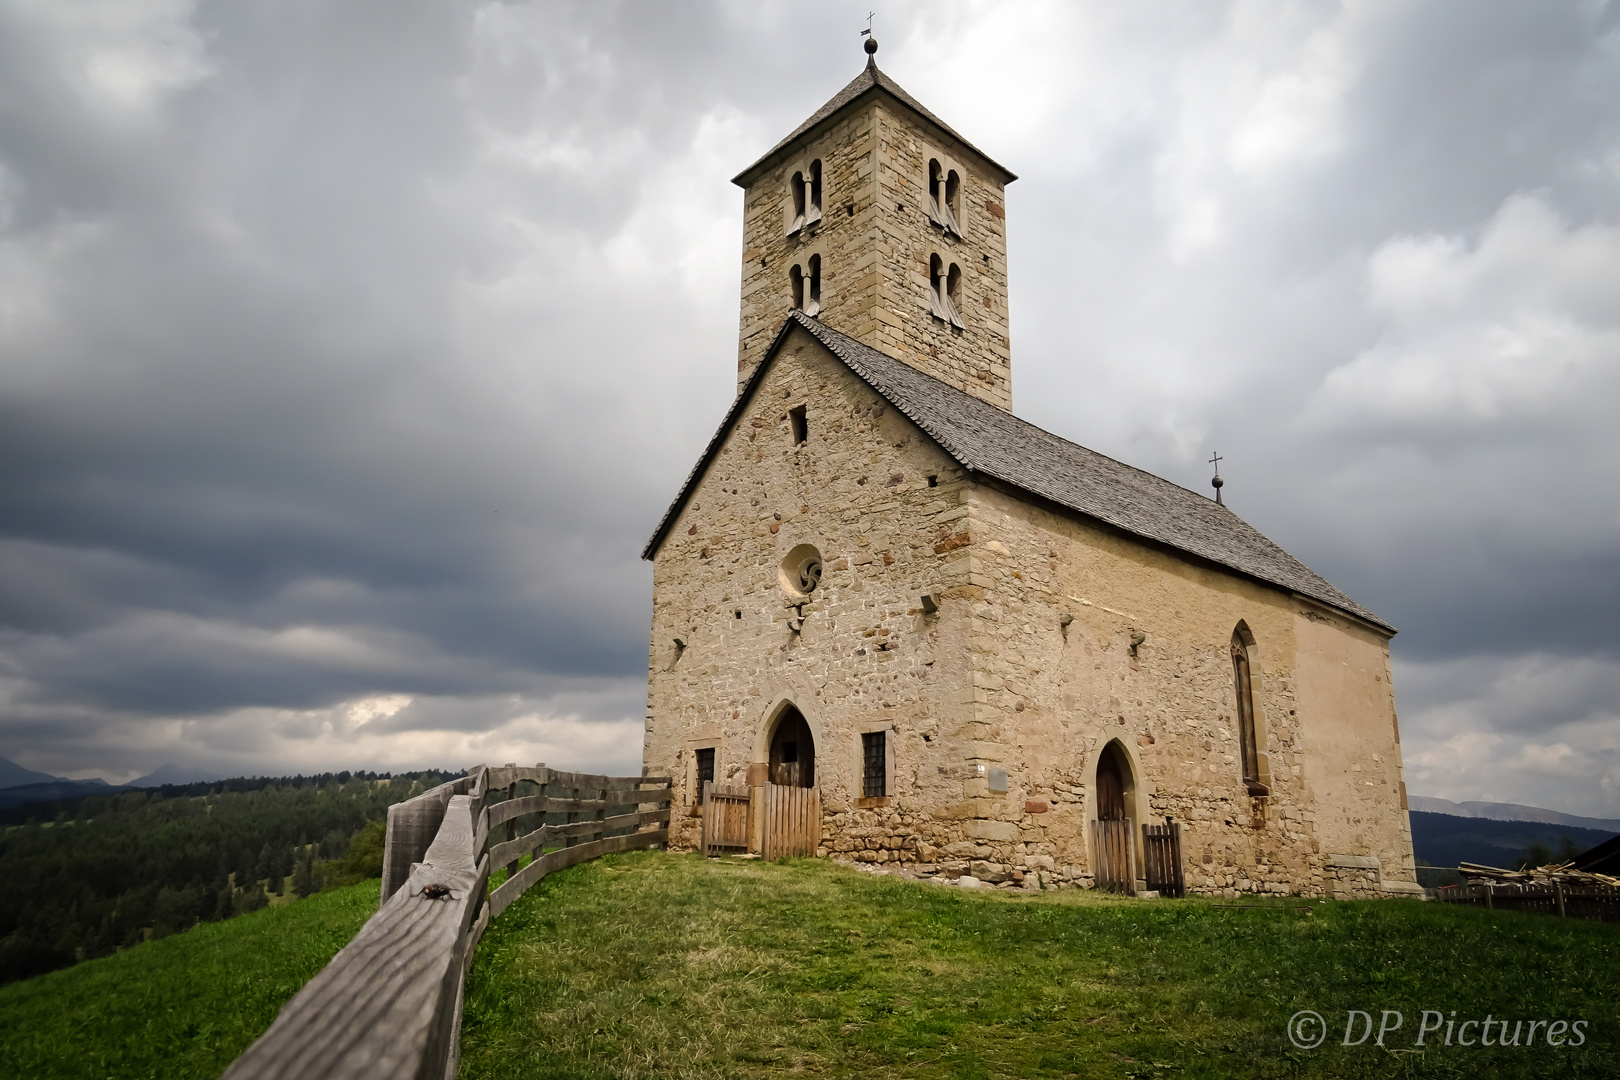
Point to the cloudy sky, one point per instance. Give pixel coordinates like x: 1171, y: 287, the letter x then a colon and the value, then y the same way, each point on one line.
x: 349, y: 351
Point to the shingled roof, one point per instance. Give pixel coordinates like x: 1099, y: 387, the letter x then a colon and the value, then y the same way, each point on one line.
x: 868, y: 81
x: 992, y: 443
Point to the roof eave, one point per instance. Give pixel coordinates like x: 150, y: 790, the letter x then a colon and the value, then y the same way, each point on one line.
x: 1060, y: 509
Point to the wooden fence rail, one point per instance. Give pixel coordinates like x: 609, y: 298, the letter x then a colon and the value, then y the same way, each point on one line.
x: 1595, y: 903
x: 389, y: 1003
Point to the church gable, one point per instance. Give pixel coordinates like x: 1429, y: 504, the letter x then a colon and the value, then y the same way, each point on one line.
x: 809, y: 434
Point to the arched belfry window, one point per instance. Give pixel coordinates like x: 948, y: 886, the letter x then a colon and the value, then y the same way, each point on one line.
x: 944, y: 287
x: 1243, y: 682
x: 806, y: 284
x: 804, y: 188
x: 812, y: 186
x: 944, y: 189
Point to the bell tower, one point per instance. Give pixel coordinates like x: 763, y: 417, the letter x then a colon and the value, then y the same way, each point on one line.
x: 877, y: 218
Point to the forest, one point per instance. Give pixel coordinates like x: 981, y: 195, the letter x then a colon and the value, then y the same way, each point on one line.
x: 86, y: 877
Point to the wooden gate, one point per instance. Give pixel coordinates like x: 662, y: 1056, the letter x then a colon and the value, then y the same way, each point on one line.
x: 725, y: 819
x: 792, y: 821
x: 1161, y: 857
x: 1115, y: 864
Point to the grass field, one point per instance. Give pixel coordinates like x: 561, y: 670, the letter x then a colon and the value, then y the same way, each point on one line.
x: 181, y: 1007
x: 656, y: 965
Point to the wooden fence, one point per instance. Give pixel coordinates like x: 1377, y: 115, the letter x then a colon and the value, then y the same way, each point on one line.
x: 1114, y: 864
x: 1594, y: 903
x: 792, y: 821
x: 389, y: 1004
x: 725, y: 819
x: 1161, y: 859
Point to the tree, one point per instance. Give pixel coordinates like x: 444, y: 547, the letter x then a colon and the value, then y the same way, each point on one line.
x: 305, y: 880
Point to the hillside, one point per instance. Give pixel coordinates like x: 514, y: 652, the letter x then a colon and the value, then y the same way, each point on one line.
x: 1444, y: 840
x: 180, y: 1008
x: 656, y: 966
x: 88, y: 876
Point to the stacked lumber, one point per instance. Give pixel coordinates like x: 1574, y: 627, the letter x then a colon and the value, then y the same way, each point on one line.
x: 1552, y: 874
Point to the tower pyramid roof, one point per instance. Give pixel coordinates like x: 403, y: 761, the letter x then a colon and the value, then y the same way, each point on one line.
x: 870, y: 81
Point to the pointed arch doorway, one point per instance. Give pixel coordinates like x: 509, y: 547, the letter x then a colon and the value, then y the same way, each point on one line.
x: 792, y: 761
x: 1113, y: 848
x: 788, y: 809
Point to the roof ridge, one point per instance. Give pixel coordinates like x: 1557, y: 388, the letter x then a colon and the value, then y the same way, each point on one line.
x: 871, y: 78
x: 977, y: 435
x: 1313, y: 584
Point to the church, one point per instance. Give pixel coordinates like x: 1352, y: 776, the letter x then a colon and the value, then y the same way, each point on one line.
x: 992, y: 653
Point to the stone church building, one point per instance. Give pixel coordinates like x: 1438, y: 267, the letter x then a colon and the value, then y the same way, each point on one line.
x: 976, y: 638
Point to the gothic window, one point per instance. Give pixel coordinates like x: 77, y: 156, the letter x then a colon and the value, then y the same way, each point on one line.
x: 1243, y: 682
x: 944, y: 191
x: 874, y: 765
x: 945, y: 286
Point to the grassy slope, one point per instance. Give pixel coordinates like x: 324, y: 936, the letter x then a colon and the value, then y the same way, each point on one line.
x: 182, y: 1006
x: 652, y: 965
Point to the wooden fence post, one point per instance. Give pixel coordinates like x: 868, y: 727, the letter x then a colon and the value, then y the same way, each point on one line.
x: 512, y: 826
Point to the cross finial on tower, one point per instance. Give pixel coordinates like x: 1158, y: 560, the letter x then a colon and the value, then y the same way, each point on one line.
x: 871, y: 42
x: 1217, y: 483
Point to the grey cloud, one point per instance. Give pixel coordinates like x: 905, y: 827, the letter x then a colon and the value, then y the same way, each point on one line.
x: 358, y: 352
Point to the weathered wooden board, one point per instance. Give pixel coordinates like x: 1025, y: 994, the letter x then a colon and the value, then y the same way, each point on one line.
x: 510, y: 890
x: 725, y: 818
x: 502, y: 812
x: 501, y: 854
x: 792, y: 821
x: 387, y: 1004
x: 412, y: 825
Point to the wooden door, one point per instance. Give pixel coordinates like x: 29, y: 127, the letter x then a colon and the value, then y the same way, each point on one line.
x: 1114, y: 862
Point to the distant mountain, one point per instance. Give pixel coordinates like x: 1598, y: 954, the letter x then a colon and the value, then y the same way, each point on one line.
x: 1446, y: 840
x: 1495, y: 811
x: 51, y: 790
x: 14, y: 775
x: 175, y: 774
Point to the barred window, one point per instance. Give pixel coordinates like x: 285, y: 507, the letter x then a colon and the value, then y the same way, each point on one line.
x: 705, y: 769
x: 874, y: 765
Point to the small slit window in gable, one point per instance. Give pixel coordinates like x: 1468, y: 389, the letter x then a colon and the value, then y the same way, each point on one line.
x: 801, y: 426
x: 874, y: 765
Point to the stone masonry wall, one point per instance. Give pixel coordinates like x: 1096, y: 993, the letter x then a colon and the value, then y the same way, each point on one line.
x: 858, y: 490
x: 875, y: 241
x: 996, y: 679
